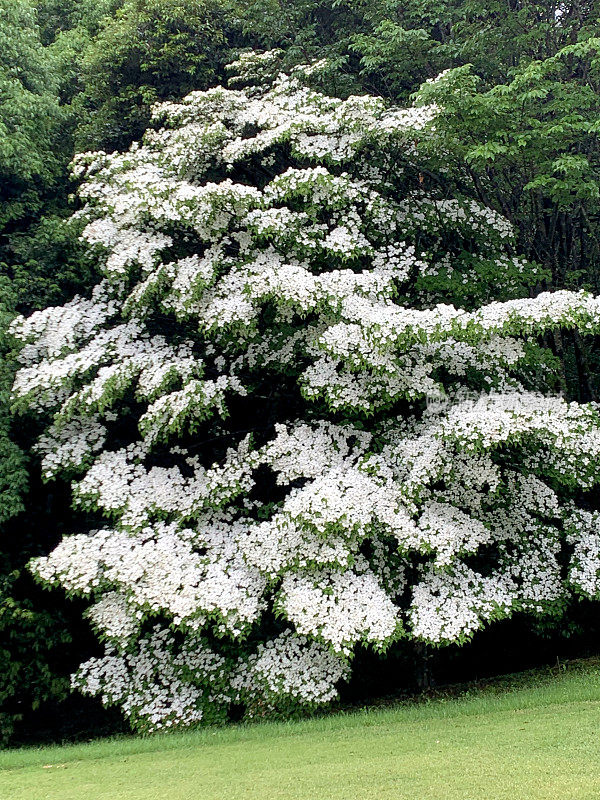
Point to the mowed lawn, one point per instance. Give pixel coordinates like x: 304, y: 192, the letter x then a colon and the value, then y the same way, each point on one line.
x: 540, y: 739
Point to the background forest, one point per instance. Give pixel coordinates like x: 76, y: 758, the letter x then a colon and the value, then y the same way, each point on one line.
x: 521, y: 117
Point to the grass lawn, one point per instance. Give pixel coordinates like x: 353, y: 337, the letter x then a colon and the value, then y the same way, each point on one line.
x: 535, y: 736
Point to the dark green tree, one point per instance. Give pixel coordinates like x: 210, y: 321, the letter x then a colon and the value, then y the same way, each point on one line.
x: 30, y: 630
x: 30, y: 118
x: 149, y: 50
x: 530, y: 147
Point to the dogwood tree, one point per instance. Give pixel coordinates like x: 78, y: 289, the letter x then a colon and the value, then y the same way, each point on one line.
x: 307, y: 406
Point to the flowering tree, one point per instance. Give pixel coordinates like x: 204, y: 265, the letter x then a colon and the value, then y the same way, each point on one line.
x: 295, y: 444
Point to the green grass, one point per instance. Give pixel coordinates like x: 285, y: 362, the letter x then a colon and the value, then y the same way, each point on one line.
x: 526, y: 738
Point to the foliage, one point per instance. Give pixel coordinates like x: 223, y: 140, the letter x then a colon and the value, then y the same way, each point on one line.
x: 38, y: 252
x: 149, y: 50
x: 389, y: 48
x: 400, y: 42
x: 28, y: 632
x: 30, y: 118
x: 30, y: 122
x: 531, y: 146
x: 58, y: 17
x: 12, y: 472
x: 28, y: 672
x: 297, y: 442
x: 50, y: 263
